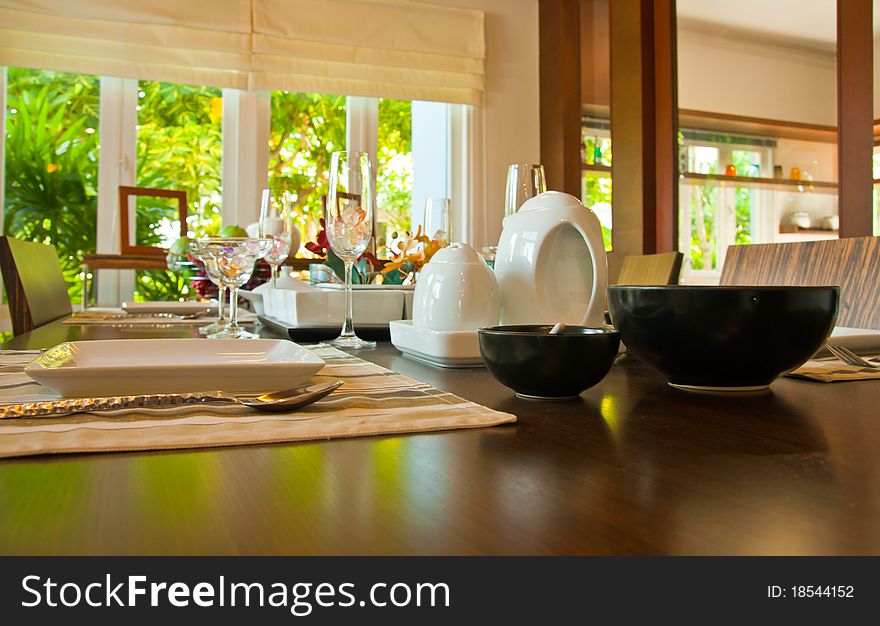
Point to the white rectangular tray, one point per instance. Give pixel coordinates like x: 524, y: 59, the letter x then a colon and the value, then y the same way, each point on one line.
x: 119, y: 367
x: 443, y: 348
x: 325, y: 307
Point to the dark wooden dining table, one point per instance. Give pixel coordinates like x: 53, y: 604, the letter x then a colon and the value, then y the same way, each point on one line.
x: 631, y: 467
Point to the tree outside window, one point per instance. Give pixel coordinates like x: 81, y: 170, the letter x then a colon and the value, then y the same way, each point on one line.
x: 305, y: 130
x: 51, y: 159
x: 179, y: 146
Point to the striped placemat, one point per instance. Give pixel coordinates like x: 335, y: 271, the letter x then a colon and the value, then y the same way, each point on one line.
x: 373, y: 401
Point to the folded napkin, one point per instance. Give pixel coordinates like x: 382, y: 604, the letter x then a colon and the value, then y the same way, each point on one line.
x: 119, y: 318
x: 373, y: 401
x: 833, y: 370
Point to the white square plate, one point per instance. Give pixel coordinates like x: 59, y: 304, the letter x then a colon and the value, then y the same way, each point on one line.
x: 172, y: 308
x: 859, y: 340
x: 145, y: 366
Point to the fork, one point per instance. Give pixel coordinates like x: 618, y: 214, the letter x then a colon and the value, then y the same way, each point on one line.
x: 849, y: 357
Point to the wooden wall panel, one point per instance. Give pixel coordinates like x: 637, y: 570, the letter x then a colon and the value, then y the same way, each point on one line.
x: 855, y: 104
x: 853, y: 264
x: 559, y: 81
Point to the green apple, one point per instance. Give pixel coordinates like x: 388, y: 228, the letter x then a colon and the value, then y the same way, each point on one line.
x: 181, y: 246
x: 233, y: 231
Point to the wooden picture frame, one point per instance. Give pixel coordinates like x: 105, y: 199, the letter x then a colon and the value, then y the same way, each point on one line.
x: 126, y: 192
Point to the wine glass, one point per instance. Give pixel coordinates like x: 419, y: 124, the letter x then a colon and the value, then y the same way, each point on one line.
x: 276, y: 223
x: 234, y: 258
x: 349, y: 225
x: 200, y: 252
x: 524, y: 181
x: 437, y: 219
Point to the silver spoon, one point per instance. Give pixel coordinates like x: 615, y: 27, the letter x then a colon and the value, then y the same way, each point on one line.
x: 275, y: 402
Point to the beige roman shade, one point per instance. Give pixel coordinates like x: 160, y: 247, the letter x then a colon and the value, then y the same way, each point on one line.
x: 382, y: 48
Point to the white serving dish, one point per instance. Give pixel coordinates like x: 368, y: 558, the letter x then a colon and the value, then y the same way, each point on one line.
x: 859, y: 340
x: 449, y: 348
x: 371, y: 287
x: 173, y: 307
x: 313, y: 307
x: 255, y: 298
x: 147, y: 366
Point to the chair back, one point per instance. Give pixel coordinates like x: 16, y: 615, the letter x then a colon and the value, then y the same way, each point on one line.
x: 35, y: 287
x: 853, y: 264
x: 651, y: 269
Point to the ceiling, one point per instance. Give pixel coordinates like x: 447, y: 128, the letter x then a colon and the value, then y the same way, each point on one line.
x: 810, y: 23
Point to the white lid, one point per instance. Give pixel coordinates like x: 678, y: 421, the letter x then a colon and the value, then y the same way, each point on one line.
x: 550, y: 200
x: 457, y: 254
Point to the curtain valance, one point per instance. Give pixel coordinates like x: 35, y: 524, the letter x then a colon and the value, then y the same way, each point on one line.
x: 382, y: 48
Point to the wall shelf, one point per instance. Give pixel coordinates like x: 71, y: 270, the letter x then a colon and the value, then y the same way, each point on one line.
x: 794, y: 230
x: 754, y: 181
x: 587, y: 167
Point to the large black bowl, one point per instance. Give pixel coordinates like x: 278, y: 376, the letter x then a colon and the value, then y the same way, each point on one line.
x: 727, y: 338
x: 536, y: 364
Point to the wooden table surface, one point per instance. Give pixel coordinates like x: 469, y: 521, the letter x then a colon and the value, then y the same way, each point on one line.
x: 632, y: 467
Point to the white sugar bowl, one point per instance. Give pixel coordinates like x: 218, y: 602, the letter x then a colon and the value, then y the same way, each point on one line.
x: 456, y: 291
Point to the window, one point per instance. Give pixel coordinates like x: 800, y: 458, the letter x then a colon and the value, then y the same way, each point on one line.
x: 876, y: 190
x: 171, y: 136
x: 51, y: 164
x: 179, y: 146
x: 305, y: 130
x: 714, y: 215
x: 596, y: 173
x: 394, y: 170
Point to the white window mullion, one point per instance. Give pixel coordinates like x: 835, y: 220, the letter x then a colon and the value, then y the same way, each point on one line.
x: 246, y: 122
x: 466, y: 178
x: 117, y: 121
x: 362, y: 125
x: 362, y: 135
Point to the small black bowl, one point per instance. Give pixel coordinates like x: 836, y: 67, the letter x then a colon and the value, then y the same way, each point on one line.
x: 536, y: 364
x: 723, y: 338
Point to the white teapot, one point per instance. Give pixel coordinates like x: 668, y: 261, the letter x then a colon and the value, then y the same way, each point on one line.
x: 551, y: 263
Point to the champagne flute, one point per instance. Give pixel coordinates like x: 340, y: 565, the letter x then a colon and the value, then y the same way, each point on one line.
x: 524, y: 181
x: 276, y: 223
x: 349, y: 226
x: 437, y: 220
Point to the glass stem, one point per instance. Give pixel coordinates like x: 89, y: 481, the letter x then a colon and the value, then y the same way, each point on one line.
x: 233, y: 308
x: 348, y: 325
x: 221, y: 304
x: 274, y: 273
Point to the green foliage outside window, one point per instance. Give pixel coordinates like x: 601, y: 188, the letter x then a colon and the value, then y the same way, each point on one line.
x: 305, y: 130
x: 179, y: 146
x: 52, y: 164
x: 394, y: 176
x: 597, y: 189
x: 876, y: 162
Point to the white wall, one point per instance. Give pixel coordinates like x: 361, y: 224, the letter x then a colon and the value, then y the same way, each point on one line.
x: 756, y: 78
x: 509, y: 121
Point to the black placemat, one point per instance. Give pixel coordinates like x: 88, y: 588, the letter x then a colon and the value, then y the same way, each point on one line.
x: 310, y: 334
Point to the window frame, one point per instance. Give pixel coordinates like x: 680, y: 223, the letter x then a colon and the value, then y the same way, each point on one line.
x: 246, y: 129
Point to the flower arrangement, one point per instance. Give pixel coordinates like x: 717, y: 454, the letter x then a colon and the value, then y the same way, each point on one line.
x: 409, y: 253
x: 321, y: 247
